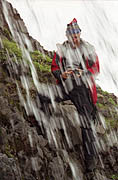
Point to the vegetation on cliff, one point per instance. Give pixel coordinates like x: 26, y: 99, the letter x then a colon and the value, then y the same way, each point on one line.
x: 108, y: 106
x: 41, y: 61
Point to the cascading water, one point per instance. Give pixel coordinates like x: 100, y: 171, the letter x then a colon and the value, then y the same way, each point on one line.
x: 55, y: 118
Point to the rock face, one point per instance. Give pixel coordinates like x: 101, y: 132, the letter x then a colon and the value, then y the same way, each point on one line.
x: 25, y: 151
x: 38, y: 145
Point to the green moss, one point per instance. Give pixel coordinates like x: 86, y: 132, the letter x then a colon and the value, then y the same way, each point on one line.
x: 99, y: 105
x: 115, y: 177
x: 8, y: 151
x: 48, y: 59
x: 45, y: 68
x: 37, y: 66
x: 41, y: 62
x: 42, y: 68
x: 7, y: 34
x: 111, y: 101
x: 37, y: 56
x: 12, y: 48
x: 105, y: 93
x: 3, y: 55
x: 113, y: 123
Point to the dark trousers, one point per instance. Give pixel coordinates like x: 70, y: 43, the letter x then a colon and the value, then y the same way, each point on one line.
x: 81, y: 98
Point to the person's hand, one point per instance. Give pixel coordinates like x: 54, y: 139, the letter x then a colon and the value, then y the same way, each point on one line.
x: 66, y: 73
x: 80, y: 72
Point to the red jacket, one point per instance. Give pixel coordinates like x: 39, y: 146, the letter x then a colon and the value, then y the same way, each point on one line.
x: 93, y: 69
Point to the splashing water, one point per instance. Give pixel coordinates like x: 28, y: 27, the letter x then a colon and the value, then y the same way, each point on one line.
x: 55, y: 119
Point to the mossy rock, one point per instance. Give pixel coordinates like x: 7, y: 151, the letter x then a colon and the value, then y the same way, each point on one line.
x: 37, y: 56
x: 8, y: 151
x: 3, y: 56
x: 114, y: 177
x: 111, y: 122
x: 110, y: 100
x: 12, y: 48
x: 100, y: 106
x: 7, y: 33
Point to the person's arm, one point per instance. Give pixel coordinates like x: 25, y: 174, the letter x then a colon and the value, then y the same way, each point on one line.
x: 55, y: 69
x: 91, y: 59
x: 92, y: 64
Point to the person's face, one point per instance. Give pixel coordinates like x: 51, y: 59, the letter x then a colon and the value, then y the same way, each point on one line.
x: 76, y: 39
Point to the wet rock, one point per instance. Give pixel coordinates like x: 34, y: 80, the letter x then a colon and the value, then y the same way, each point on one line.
x: 43, y: 142
x: 3, y: 136
x: 99, y: 176
x: 100, y: 129
x: 8, y: 168
x: 56, y: 167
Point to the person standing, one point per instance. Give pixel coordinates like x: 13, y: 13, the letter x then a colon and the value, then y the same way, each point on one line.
x: 75, y: 66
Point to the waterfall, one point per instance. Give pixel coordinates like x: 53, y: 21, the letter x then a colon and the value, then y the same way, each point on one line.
x: 54, y: 118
